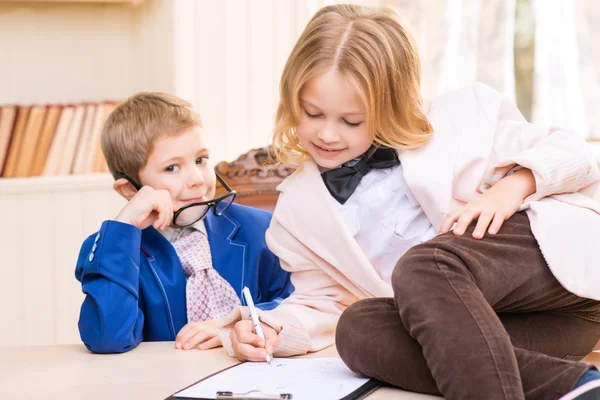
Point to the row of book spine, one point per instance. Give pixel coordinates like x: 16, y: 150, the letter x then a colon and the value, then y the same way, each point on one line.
x: 45, y: 140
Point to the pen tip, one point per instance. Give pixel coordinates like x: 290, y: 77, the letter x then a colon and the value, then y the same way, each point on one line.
x: 268, y: 359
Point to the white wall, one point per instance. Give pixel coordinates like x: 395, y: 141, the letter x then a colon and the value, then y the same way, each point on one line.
x: 61, y: 52
x: 224, y: 56
x: 229, y: 56
x: 45, y: 221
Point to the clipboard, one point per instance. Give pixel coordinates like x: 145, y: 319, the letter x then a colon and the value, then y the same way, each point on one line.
x: 253, y: 395
x: 330, y: 370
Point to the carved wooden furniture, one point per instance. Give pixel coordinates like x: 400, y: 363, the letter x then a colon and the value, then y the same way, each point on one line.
x: 253, y: 179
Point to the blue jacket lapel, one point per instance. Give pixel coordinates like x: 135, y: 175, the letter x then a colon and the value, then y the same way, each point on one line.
x: 166, y: 272
x: 228, y: 255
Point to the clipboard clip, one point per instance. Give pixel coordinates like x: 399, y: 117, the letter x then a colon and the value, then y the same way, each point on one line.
x: 252, y: 395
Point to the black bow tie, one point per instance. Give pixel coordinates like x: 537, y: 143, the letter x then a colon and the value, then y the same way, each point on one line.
x: 343, y: 181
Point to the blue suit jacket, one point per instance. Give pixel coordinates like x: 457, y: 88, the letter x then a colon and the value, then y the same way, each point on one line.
x: 135, y: 284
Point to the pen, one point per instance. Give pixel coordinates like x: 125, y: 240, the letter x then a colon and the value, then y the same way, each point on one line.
x: 254, y: 316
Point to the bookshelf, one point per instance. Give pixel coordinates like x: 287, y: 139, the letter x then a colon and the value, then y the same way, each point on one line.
x: 50, y: 140
x: 65, y: 57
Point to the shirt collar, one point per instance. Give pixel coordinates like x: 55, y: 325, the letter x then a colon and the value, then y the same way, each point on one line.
x: 172, y: 233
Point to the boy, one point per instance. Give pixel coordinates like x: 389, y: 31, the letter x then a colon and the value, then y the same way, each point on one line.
x: 153, y: 275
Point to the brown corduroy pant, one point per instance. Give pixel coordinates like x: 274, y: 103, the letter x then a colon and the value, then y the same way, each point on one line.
x: 473, y: 319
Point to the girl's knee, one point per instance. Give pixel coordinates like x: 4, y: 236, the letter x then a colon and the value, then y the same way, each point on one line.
x: 354, y: 329
x: 412, y: 264
x: 351, y: 319
x: 356, y: 322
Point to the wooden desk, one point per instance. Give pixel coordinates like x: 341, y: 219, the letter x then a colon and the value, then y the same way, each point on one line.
x: 151, y: 371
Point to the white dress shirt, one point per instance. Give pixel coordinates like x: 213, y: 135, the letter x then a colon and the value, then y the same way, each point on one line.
x: 384, y: 218
x: 173, y: 233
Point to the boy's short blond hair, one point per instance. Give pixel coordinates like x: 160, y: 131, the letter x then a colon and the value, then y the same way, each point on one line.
x: 131, y: 129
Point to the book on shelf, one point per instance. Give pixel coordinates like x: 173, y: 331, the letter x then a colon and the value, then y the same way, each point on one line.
x: 68, y: 150
x: 82, y: 154
x: 52, y: 139
x: 8, y: 115
x: 97, y: 163
x: 58, y: 142
x: 46, y: 135
x: 31, y: 135
x: 14, y: 148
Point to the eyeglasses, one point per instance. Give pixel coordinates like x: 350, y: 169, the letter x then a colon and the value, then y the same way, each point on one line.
x: 192, y: 213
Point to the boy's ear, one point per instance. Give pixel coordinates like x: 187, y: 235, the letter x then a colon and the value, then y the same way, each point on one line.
x: 124, y: 188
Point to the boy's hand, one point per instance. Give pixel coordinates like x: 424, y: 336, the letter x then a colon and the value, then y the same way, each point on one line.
x: 148, y: 207
x: 203, y: 335
x: 247, y: 345
x: 493, y: 207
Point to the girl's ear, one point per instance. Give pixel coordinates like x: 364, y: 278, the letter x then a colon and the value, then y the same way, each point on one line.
x: 124, y: 188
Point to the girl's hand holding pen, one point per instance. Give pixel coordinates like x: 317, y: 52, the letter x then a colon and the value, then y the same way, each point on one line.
x: 248, y: 346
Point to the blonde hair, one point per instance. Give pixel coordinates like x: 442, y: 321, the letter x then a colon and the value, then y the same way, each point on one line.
x: 131, y: 129
x: 372, y: 48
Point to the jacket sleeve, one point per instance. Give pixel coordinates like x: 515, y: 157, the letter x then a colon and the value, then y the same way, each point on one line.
x: 280, y: 285
x: 306, y: 320
x: 110, y: 320
x: 560, y: 161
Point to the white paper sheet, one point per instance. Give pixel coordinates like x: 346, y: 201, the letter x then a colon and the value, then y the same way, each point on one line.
x: 304, y: 378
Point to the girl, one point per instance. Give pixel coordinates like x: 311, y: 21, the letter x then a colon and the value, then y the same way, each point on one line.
x: 493, y: 309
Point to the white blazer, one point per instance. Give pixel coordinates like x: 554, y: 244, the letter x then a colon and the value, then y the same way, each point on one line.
x: 479, y: 136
